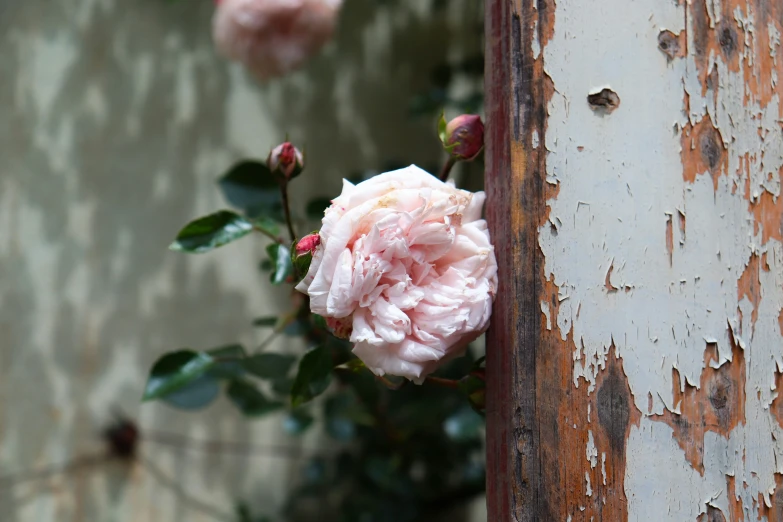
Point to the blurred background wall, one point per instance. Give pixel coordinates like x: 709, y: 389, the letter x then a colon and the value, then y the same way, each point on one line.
x: 116, y: 118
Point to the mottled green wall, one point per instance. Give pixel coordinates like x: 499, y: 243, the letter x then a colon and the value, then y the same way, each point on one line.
x: 115, y: 119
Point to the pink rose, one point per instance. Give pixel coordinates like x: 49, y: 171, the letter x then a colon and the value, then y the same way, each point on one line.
x: 407, y: 259
x: 273, y: 37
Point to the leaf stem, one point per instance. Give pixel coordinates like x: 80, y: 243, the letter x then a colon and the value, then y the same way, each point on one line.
x: 445, y: 383
x: 287, y: 209
x: 446, y: 170
x: 268, y: 234
x: 287, y: 320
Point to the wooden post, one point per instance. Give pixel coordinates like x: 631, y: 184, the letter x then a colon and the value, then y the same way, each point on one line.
x: 634, y: 160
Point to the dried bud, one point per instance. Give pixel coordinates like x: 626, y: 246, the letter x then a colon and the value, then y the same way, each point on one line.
x: 463, y: 137
x: 307, y: 245
x: 286, y: 161
x: 340, y: 327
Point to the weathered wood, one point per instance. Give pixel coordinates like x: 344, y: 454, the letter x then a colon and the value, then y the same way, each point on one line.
x: 634, y: 156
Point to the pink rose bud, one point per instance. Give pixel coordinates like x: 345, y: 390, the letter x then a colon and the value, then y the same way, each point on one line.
x: 464, y: 137
x: 285, y: 160
x: 307, y: 245
x: 409, y: 260
x: 273, y: 37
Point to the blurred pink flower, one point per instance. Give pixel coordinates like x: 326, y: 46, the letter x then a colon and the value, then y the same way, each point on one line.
x: 406, y: 268
x: 273, y: 37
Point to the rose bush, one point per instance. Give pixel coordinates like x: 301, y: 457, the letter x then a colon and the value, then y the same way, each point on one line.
x: 405, y: 266
x: 273, y: 37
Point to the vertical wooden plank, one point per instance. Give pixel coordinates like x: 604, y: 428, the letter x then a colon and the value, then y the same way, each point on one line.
x: 514, y: 188
x: 634, y: 163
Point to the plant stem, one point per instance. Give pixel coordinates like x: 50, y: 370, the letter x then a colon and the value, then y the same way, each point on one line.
x: 446, y: 170
x: 217, y: 446
x: 268, y: 234
x: 287, y: 209
x: 445, y: 383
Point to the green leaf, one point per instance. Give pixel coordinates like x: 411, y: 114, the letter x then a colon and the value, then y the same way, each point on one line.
x: 266, y: 322
x: 476, y: 391
x: 320, y: 322
x: 297, y: 422
x: 249, y: 399
x: 442, y: 124
x: 236, y: 351
x: 464, y: 425
x: 316, y: 207
x: 268, y: 225
x: 266, y: 265
x: 195, y: 395
x: 212, y: 231
x: 313, y: 377
x: 301, y: 264
x: 269, y: 365
x: 281, y: 259
x: 174, y: 370
x: 250, y: 186
x: 282, y: 386
x: 228, y: 369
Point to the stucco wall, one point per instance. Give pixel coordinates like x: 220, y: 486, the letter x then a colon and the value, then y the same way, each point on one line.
x: 117, y: 117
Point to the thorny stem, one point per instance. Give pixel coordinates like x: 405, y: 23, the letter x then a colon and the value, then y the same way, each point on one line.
x: 446, y: 170
x: 287, y: 209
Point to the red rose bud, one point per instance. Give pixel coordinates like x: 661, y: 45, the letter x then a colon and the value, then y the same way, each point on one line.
x: 307, y: 245
x: 286, y: 161
x: 302, y: 252
x: 463, y: 136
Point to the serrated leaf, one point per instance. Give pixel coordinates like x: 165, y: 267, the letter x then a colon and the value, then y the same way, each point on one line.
x: 195, y: 395
x: 269, y: 365
x: 250, y: 186
x: 210, y: 232
x: 316, y: 207
x: 313, y: 377
x: 249, y: 399
x: 174, y: 370
x: 281, y: 260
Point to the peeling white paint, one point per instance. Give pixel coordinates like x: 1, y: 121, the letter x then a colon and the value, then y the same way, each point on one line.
x: 631, y: 173
x: 592, y: 451
x: 545, y: 311
x: 588, y: 487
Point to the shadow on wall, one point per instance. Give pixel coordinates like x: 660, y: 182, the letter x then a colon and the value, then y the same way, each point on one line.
x: 118, y: 117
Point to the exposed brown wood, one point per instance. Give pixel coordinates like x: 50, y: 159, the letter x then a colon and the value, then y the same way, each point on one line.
x: 514, y: 187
